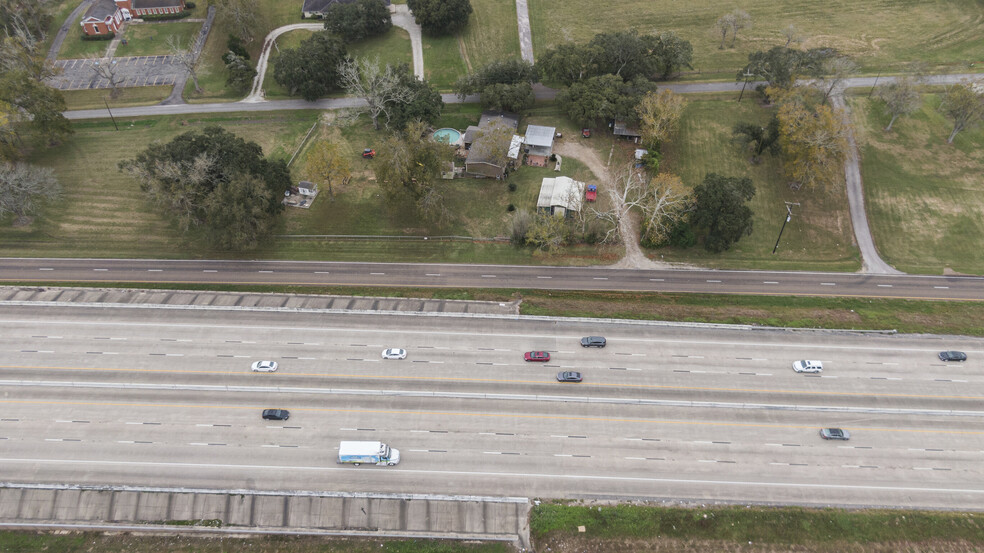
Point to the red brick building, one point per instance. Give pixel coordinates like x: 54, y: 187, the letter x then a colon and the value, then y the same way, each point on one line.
x: 107, y: 16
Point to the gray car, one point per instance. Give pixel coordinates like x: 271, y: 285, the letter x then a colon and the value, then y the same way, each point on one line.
x: 953, y: 356
x: 593, y: 342
x: 834, y: 434
x: 568, y: 376
x: 276, y: 414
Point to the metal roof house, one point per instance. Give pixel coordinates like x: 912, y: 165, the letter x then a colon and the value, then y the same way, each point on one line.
x: 621, y: 128
x: 540, y: 140
x: 560, y: 196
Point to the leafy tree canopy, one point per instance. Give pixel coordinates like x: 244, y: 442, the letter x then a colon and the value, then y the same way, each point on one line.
x: 311, y: 70
x: 720, y: 214
x: 358, y: 20
x: 605, y: 97
x: 199, y: 172
x: 624, y: 53
x: 781, y: 65
x: 426, y: 104
x: 440, y: 17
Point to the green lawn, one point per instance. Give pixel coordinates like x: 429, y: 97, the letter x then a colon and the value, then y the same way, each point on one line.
x: 492, y: 33
x: 60, y: 10
x: 150, y: 39
x: 925, y: 197
x: 614, y: 528
x: 74, y: 47
x: 881, y: 34
x: 95, y: 98
x: 819, y: 236
x: 102, y: 211
x: 442, y: 61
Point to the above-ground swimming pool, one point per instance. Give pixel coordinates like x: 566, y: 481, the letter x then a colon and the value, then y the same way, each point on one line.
x: 448, y: 136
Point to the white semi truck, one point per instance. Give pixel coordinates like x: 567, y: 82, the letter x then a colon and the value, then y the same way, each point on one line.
x: 373, y: 453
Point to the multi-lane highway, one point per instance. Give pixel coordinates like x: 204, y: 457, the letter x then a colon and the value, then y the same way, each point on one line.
x: 165, y: 397
x: 490, y: 276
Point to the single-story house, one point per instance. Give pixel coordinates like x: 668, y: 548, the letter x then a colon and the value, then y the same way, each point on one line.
x: 622, y: 129
x: 107, y: 16
x: 486, y: 156
x: 315, y: 9
x: 560, y: 196
x: 540, y: 140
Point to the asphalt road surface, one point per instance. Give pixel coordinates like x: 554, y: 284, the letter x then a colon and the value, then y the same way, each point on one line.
x: 490, y: 276
x: 166, y: 397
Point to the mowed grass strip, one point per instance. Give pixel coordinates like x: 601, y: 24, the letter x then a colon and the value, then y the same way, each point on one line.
x: 492, y: 33
x: 881, y: 34
x: 607, y: 526
x: 31, y: 542
x: 925, y: 197
x: 150, y: 39
x: 819, y: 236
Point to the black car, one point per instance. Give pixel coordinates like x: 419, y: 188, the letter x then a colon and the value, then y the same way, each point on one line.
x: 953, y: 356
x: 276, y: 414
x: 568, y: 376
x: 593, y: 342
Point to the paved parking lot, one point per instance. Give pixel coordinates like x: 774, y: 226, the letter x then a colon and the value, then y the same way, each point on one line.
x: 78, y: 74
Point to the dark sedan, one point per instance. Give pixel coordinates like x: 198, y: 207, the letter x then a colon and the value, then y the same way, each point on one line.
x: 953, y: 356
x: 276, y: 414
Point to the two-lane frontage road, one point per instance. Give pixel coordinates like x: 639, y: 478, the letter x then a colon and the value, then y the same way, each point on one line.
x: 165, y: 397
x: 300, y: 273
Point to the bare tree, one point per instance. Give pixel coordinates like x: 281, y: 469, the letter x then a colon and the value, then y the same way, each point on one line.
x: 835, y: 70
x: 964, y: 106
x: 626, y: 190
x: 185, y: 57
x: 792, y: 35
x: 724, y: 24
x: 24, y: 187
x: 379, y: 87
x: 739, y: 20
x: 106, y: 68
x: 663, y: 204
x: 21, y: 50
x: 901, y: 97
x: 242, y: 15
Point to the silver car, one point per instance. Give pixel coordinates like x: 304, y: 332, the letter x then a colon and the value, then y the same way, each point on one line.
x: 264, y: 366
x: 834, y: 434
x: 808, y: 366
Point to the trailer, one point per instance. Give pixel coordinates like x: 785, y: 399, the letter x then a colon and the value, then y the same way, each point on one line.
x: 371, y: 453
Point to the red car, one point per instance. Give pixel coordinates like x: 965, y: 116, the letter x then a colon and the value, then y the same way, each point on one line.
x: 536, y: 356
x: 369, y: 153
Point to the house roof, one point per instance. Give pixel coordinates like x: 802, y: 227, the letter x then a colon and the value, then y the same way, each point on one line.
x: 147, y: 4
x: 562, y: 192
x: 100, y: 10
x: 469, y: 135
x: 510, y: 119
x: 540, y: 136
x: 483, y: 148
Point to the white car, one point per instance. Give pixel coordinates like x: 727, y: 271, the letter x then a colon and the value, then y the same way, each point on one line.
x: 808, y: 366
x: 264, y: 366
x: 394, y: 353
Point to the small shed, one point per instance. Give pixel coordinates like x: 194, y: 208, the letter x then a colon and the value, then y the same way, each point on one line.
x: 622, y: 129
x: 560, y: 196
x: 514, y: 146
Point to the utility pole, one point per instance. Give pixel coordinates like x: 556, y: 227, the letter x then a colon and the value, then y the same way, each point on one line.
x: 105, y: 101
x: 747, y: 75
x: 873, y: 84
x: 789, y: 215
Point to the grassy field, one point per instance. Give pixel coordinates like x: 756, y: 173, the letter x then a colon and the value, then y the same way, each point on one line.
x: 392, y: 48
x: 925, y: 197
x: 492, y: 33
x: 880, y: 34
x: 443, y: 63
x: 94, y: 99
x: 30, y: 542
x: 612, y: 528
x: 820, y: 235
x: 150, y: 39
x: 102, y: 211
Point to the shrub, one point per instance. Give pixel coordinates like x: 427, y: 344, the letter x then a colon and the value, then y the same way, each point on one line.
x: 519, y: 226
x: 235, y: 45
x: 512, y: 187
x: 109, y: 36
x: 189, y: 5
x: 166, y: 16
x: 510, y: 207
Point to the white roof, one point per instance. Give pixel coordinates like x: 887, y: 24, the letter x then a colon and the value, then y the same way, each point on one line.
x: 560, y: 192
x: 514, y: 146
x: 640, y: 152
x: 540, y: 136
